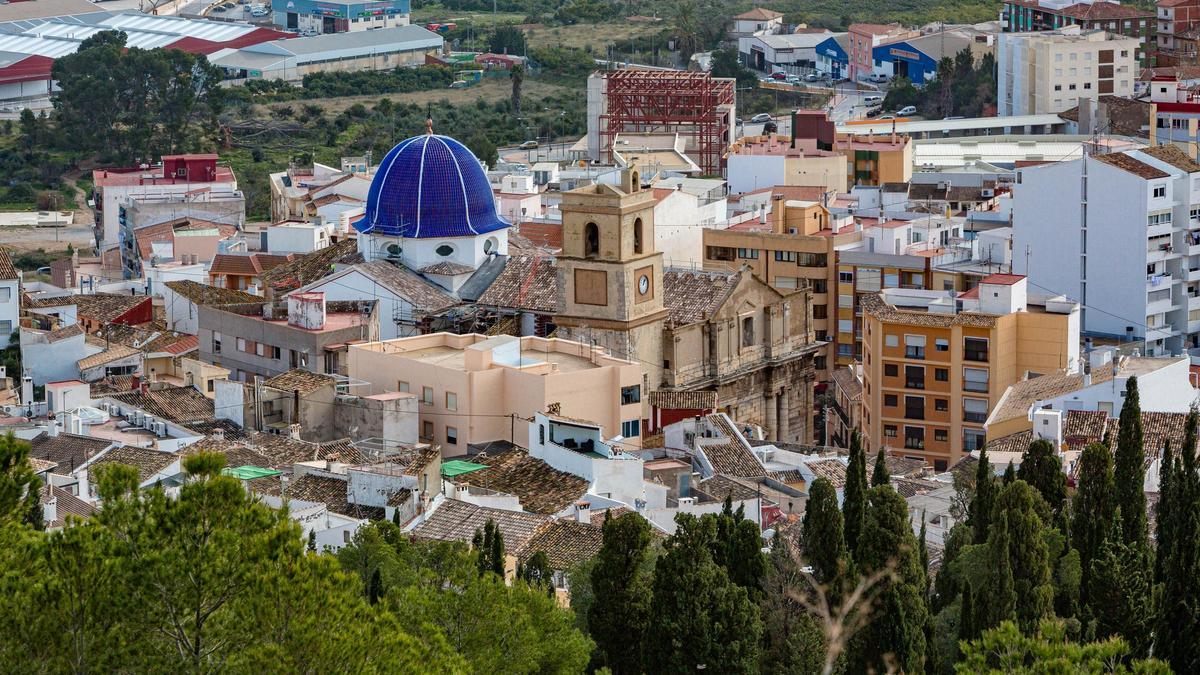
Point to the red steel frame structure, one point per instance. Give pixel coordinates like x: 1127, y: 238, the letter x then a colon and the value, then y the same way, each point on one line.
x: 683, y: 102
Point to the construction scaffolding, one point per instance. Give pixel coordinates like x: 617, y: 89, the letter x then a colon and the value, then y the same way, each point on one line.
x: 697, y: 106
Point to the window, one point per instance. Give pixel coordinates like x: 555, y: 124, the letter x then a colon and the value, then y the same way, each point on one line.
x: 542, y: 434
x: 914, y: 377
x: 975, y: 410
x: 748, y: 253
x: 890, y: 401
x: 914, y: 438
x: 810, y: 259
x: 274, y: 352
x: 785, y: 256
x: 1160, y: 190
x: 631, y: 428
x: 451, y: 401
x: 451, y: 435
x: 846, y: 301
x: 975, y: 349
x: 975, y: 379
x: 445, y: 250
x: 631, y: 394
x: 1071, y: 87
x: 427, y: 395
x: 241, y: 344
x: 973, y: 439
x: 490, y: 244
x: 818, y: 286
x: 394, y: 250
x: 914, y: 346
x: 941, y: 435
x: 846, y: 277
x: 427, y: 430
x: 260, y: 349
x: 820, y: 311
x: 5, y: 294
x: 868, y: 280
x: 216, y: 342
x: 890, y: 370
x: 889, y: 431
x: 714, y: 252
x: 402, y: 386
x: 891, y: 340
x: 914, y: 407
x: 591, y: 241
x: 1058, y: 87
x: 941, y: 374
x: 845, y: 350
x: 941, y: 405
x: 748, y: 331
x: 1087, y: 85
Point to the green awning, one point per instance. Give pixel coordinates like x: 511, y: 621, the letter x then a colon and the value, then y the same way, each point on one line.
x: 249, y: 472
x: 457, y: 467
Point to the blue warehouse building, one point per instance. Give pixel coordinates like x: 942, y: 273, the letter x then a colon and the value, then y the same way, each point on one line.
x: 333, y: 16
x: 917, y: 58
x: 832, y: 59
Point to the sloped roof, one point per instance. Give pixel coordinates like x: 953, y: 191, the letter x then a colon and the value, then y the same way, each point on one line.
x: 759, y: 14
x: 719, y: 487
x: 683, y: 400
x: 1020, y: 396
x: 300, y: 380
x: 692, y: 296
x: 204, y: 294
x: 540, y: 487
x: 66, y: 504
x: 849, y: 383
x: 252, y: 264
x: 67, y: 451
x: 528, y: 283
x: 454, y: 520
x: 566, y: 543
x: 1131, y: 164
x: 874, y: 305
x: 7, y: 271
x: 147, y: 461
x: 832, y: 469
x: 174, y: 404
x: 898, y: 466
x: 332, y: 492
x: 64, y: 333
x: 422, y: 294
x: 734, y: 459
x: 115, y: 352
x: 310, y: 267
x: 107, y: 307
x: 1171, y: 154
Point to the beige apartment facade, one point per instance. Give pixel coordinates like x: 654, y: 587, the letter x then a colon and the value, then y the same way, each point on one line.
x: 1048, y: 72
x: 474, y: 388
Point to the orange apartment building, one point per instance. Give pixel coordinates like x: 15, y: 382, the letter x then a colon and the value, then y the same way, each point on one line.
x: 935, y: 364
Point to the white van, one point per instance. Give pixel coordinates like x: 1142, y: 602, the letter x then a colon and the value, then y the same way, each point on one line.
x: 872, y: 100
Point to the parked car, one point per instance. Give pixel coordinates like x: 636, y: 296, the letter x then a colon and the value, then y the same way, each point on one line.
x: 813, y: 77
x: 794, y: 79
x: 218, y: 8
x: 760, y: 118
x: 906, y: 111
x: 874, y: 112
x: 888, y: 116
x: 877, y: 78
x: 528, y: 145
x: 872, y: 100
x: 458, y: 84
x: 779, y: 76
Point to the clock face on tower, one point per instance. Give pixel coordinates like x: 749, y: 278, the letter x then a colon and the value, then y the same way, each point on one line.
x: 643, y: 284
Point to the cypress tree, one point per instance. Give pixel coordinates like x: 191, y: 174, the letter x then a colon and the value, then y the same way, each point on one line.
x: 898, y: 629
x: 617, y: 622
x: 879, y: 476
x: 855, y: 493
x: 375, y: 587
x: 1093, y: 508
x: 1130, y: 472
x: 824, y: 547
x: 1042, y: 469
x: 923, y: 553
x: 497, y: 555
x: 1001, y: 597
x: 738, y: 548
x: 1010, y: 474
x: 966, y: 620
x: 1177, y: 635
x: 1028, y: 555
x: 1120, y: 597
x: 312, y: 541
x: 1164, y: 510
x: 979, y: 512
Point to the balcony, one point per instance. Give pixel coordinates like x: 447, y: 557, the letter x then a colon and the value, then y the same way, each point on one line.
x: 969, y: 385
x: 912, y: 443
x: 978, y: 418
x: 979, y: 355
x: 914, y: 384
x: 914, y: 413
x: 917, y: 353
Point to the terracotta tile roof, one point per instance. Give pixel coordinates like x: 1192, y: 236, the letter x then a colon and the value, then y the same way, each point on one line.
x: 541, y: 235
x: 454, y: 520
x: 759, y: 14
x: 540, y: 487
x: 694, y: 296
x: 147, y: 461
x: 1157, y: 429
x: 899, y: 466
x: 310, y: 267
x: 849, y: 383
x: 446, y: 268
x: 1018, y: 442
x: 911, y: 487
x: 1132, y: 165
x: 7, y: 271
x: 874, y: 305
x: 115, y: 352
x: 174, y: 404
x: 297, y: 379
x: 422, y: 294
x: 331, y: 492
x: 236, y: 454
x: 282, y: 451
x: 29, y: 302
x: 719, y: 487
x: 683, y: 400
x: 250, y: 265
x: 834, y: 470
x: 151, y: 340
x: 41, y: 465
x: 64, y: 333
x: 66, y: 504
x: 1171, y: 154
x: 1103, y: 11
x: 1081, y: 427
x: 1019, y: 397
x: 208, y: 427
x: 107, y: 307
x: 204, y: 294
x: 789, y: 476
x: 1126, y: 117
x: 734, y: 459
x: 566, y: 543
x: 527, y: 282
x: 113, y: 384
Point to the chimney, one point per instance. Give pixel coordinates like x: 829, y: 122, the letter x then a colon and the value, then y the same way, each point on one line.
x: 52, y: 430
x: 135, y: 382
x: 294, y: 432
x: 68, y: 422
x: 583, y: 512
x: 686, y: 504
x: 218, y: 434
x: 50, y: 509
x: 777, y: 215
x: 794, y: 117
x: 27, y: 390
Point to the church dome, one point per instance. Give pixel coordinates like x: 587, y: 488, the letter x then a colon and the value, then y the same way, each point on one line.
x: 430, y: 186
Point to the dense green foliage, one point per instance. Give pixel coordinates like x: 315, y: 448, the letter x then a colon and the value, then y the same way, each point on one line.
x: 619, y: 579
x: 979, y: 513
x: 855, y: 493
x: 1042, y: 469
x: 962, y: 88
x: 1129, y: 471
x: 1177, y: 635
x: 1006, y: 649
x: 332, y: 84
x: 824, y: 546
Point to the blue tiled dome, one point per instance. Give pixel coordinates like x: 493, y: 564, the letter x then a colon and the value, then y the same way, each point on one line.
x: 430, y: 186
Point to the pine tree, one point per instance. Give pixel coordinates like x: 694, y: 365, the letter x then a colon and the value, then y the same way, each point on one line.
x: 20, y: 487
x: 824, y: 547
x: 1010, y: 474
x: 855, y: 493
x: 1120, y: 596
x: 622, y: 616
x: 979, y: 513
x: 1042, y: 469
x: 902, y: 612
x: 1093, y: 508
x: 879, y: 476
x: 1129, y: 473
x: 1177, y: 635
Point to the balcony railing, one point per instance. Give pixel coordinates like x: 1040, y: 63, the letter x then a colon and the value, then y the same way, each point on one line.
x: 914, y: 384
x: 974, y: 417
x: 914, y: 443
x: 969, y: 385
x: 975, y: 355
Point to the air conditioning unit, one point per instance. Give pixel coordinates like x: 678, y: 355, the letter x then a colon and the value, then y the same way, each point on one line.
x: 148, y: 422
x: 160, y: 429
x: 138, y: 417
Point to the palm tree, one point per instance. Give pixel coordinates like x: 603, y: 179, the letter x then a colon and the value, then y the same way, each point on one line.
x: 687, y: 32
x: 517, y: 75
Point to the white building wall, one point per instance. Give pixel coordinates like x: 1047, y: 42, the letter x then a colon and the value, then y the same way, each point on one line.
x: 357, y: 286
x: 52, y: 361
x: 1168, y: 389
x: 296, y: 238
x: 748, y: 173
